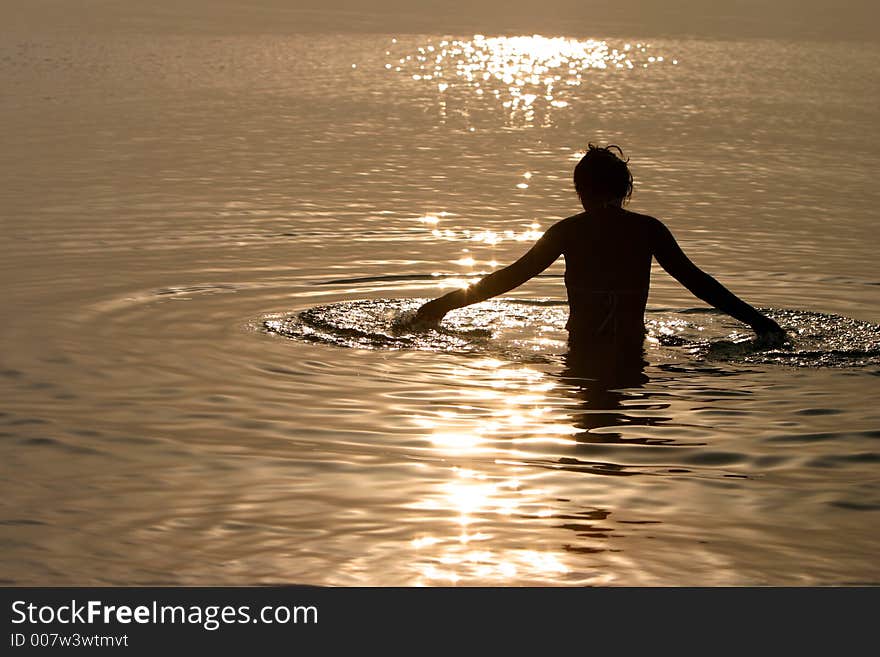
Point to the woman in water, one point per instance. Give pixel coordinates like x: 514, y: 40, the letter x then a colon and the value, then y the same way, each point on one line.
x: 608, y: 252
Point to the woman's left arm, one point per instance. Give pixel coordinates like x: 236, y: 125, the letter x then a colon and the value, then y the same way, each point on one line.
x: 542, y: 254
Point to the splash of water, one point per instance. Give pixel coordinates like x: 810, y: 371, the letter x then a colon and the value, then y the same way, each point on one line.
x: 517, y: 328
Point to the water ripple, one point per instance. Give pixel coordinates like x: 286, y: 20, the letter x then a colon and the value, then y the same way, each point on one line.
x: 534, y: 328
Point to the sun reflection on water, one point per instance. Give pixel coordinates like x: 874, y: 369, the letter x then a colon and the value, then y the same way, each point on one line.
x: 487, y: 239
x: 500, y: 412
x: 466, y: 554
x: 524, y: 75
x: 495, y: 399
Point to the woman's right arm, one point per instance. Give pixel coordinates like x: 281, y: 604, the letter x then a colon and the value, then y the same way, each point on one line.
x: 702, y: 285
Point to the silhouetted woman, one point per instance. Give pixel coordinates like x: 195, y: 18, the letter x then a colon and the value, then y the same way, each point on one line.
x: 608, y: 252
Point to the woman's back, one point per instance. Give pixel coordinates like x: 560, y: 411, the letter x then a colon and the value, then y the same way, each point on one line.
x: 608, y: 255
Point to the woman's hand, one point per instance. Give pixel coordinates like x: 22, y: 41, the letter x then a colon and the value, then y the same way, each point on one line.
x: 432, y: 312
x: 770, y: 334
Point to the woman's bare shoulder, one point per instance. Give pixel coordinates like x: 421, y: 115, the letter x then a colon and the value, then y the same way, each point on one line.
x: 642, y: 218
x: 563, y: 227
x: 648, y: 223
x: 568, y: 221
x: 581, y: 220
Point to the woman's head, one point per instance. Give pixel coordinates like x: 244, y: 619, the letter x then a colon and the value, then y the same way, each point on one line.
x: 602, y: 177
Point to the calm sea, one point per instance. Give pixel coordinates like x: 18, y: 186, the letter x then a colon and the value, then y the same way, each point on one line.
x: 170, y: 205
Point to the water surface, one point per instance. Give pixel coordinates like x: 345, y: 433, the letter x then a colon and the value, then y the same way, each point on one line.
x: 177, y: 209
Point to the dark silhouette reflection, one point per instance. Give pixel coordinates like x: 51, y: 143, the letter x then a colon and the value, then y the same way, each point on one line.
x: 588, y: 527
x: 607, y: 379
x: 593, y: 528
